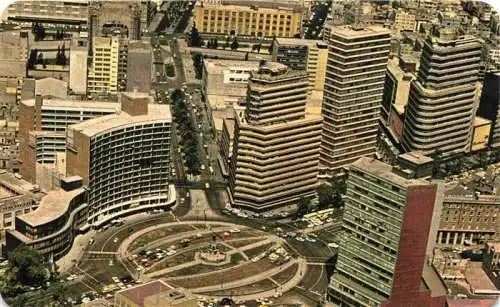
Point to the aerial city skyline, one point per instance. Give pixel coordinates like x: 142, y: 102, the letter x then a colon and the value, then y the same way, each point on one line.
x: 250, y: 153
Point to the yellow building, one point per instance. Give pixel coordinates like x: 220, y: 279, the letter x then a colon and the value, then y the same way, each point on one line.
x: 303, y: 54
x: 405, y: 21
x: 481, y: 133
x: 261, y: 18
x: 108, y: 69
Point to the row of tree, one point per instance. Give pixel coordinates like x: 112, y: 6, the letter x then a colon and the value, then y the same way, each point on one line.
x: 40, y: 33
x: 329, y: 196
x: 187, y: 132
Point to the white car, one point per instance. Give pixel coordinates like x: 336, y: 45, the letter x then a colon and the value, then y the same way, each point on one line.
x: 115, y: 279
x: 171, y: 252
x: 115, y: 240
x: 300, y: 239
x: 207, y: 185
x: 234, y: 230
x: 203, y: 167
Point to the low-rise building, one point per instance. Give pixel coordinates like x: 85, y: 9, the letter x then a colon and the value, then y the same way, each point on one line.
x: 139, y: 66
x: 51, y: 228
x: 259, y: 18
x: 468, y: 217
x: 17, y: 197
x: 155, y: 293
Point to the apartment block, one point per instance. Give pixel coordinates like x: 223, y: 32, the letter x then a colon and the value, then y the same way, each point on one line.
x: 300, y: 54
x: 383, y: 248
x: 355, y: 74
x: 489, y: 105
x: 259, y: 18
x: 123, y: 159
x: 276, y: 144
x: 42, y: 128
x: 441, y: 107
x: 107, y: 73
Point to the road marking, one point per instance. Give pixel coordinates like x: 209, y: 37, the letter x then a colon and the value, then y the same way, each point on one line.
x: 317, y: 281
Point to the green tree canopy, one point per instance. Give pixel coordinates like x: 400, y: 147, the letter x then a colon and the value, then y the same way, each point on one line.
x: 29, y: 266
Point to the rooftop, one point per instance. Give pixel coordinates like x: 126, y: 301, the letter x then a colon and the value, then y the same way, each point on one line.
x: 350, y: 31
x: 416, y: 157
x: 51, y: 87
x: 285, y: 4
x: 156, y: 113
x: 451, y: 302
x: 229, y: 122
x: 299, y: 41
x: 480, y: 121
x: 16, y: 186
x: 218, y: 66
x: 52, y: 206
x: 385, y: 171
x: 73, y: 104
x: 139, y: 293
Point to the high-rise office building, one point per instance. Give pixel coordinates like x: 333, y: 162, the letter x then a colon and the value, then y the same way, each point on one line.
x: 387, y: 236
x: 441, y: 106
x: 107, y: 73
x: 354, y: 84
x: 276, y: 145
x: 123, y: 158
x: 42, y: 128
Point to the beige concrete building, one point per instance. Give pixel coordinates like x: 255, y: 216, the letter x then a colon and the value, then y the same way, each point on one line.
x: 259, y: 18
x: 276, y: 144
x: 69, y: 12
x: 123, y: 158
x: 107, y: 73
x: 226, y: 145
x: 355, y: 76
x: 301, y: 54
x: 17, y: 197
x: 468, y: 219
x: 224, y: 85
x: 443, y: 99
x: 155, y: 293
x: 405, y: 21
x: 42, y: 128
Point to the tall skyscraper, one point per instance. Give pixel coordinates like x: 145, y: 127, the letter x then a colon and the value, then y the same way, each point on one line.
x: 387, y: 227
x: 440, y: 110
x: 356, y: 66
x: 276, y: 145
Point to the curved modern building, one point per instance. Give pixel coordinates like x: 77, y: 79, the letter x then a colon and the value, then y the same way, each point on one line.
x: 124, y: 159
x: 51, y: 228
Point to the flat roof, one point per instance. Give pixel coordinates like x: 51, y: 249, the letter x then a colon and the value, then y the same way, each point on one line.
x: 139, y: 293
x: 349, y: 31
x: 218, y: 65
x: 52, y: 206
x: 90, y: 128
x: 416, y: 157
x: 19, y: 186
x: 73, y: 104
x: 385, y: 171
x: 451, y: 302
x: 480, y: 121
x: 299, y: 41
x: 476, y: 277
x: 433, y: 281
